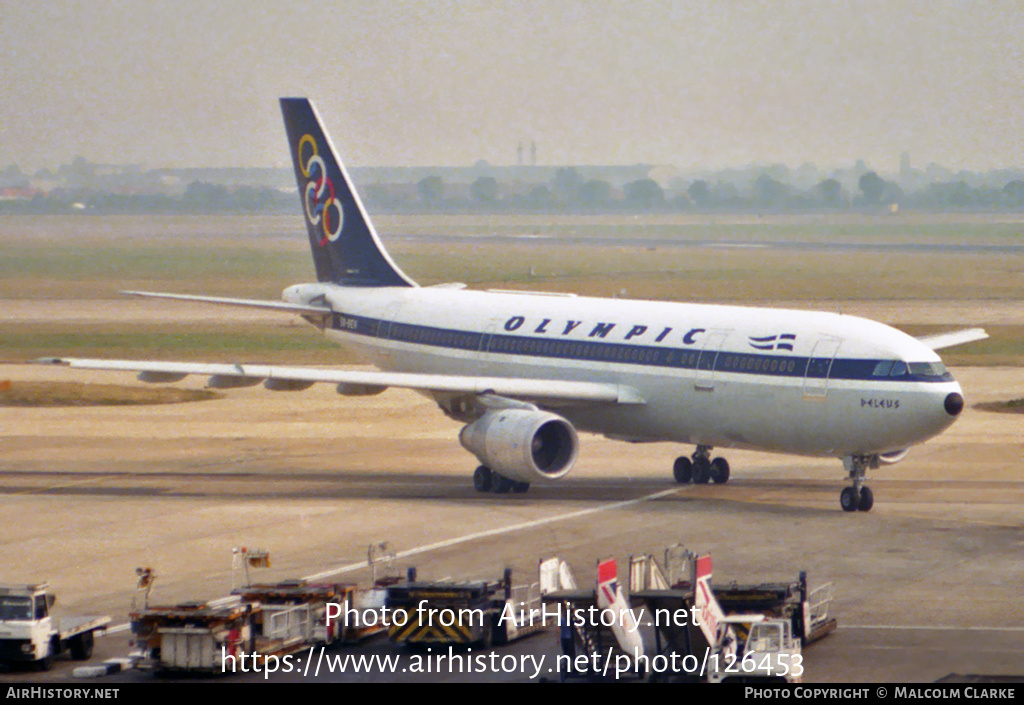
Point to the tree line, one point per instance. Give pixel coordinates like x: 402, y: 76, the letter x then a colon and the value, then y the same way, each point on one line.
x: 566, y: 191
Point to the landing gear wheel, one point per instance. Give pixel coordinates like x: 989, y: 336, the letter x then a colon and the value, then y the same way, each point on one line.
x: 520, y: 487
x: 849, y: 499
x: 682, y: 470
x: 857, y: 497
x: 500, y: 484
x: 701, y: 471
x: 482, y: 479
x: 719, y: 471
x: 867, y: 500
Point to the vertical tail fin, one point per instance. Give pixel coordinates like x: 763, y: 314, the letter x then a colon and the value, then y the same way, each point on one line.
x: 346, y: 249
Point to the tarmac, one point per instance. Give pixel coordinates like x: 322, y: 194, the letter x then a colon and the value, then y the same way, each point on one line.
x: 926, y: 585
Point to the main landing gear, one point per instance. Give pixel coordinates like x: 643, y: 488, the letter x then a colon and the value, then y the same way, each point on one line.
x: 701, y: 468
x: 857, y: 497
x: 486, y: 480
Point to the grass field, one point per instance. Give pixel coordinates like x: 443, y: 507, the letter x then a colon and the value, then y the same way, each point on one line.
x: 78, y: 394
x: 259, y: 343
x: 85, y: 257
x: 1014, y: 406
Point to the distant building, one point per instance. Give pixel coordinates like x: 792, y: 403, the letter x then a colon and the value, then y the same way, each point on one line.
x: 906, y: 171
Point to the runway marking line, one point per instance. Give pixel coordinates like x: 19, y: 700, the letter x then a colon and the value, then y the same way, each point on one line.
x: 497, y: 532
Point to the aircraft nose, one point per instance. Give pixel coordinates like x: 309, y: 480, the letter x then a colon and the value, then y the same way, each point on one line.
x: 954, y: 403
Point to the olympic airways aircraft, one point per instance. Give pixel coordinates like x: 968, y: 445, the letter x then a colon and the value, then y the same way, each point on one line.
x: 524, y: 371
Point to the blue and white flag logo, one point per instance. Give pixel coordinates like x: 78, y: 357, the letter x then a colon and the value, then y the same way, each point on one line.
x: 773, y: 342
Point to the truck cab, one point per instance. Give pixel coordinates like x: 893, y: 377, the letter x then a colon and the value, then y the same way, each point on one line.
x: 30, y: 634
x: 767, y: 652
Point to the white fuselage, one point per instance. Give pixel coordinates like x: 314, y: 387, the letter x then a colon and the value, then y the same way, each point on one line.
x: 790, y: 381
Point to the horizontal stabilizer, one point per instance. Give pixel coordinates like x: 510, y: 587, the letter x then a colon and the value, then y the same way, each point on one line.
x: 957, y: 337
x: 284, y: 377
x: 282, y: 306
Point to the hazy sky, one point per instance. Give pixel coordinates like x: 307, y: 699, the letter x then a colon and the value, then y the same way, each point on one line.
x: 695, y: 84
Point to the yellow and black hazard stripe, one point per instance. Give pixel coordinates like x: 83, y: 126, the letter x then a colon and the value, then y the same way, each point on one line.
x: 406, y: 628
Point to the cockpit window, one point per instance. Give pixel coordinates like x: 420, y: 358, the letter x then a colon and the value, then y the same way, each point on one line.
x: 928, y: 369
x: 920, y: 370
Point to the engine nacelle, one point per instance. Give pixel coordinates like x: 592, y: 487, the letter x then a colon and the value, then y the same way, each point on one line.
x: 522, y: 444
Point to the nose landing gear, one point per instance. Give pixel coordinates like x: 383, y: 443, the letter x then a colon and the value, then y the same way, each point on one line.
x: 851, y: 500
x: 857, y: 497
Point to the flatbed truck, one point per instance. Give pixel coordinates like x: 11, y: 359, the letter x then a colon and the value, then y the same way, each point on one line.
x: 30, y: 633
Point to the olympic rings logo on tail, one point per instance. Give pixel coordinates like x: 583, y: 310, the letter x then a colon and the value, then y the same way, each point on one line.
x: 322, y: 206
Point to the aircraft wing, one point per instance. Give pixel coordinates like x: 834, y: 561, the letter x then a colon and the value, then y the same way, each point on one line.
x: 356, y: 382
x: 957, y: 337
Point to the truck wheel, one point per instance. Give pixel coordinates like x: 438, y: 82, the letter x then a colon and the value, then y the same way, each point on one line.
x: 81, y: 647
x: 45, y: 663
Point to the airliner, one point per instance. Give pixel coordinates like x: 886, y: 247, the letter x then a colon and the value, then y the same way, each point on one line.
x: 525, y: 371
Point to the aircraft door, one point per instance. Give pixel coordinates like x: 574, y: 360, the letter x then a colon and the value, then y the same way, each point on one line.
x: 819, y: 367
x: 385, y: 323
x: 704, y: 375
x: 387, y: 327
x: 489, y: 344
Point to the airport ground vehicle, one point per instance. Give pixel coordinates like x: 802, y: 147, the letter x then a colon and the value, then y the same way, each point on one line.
x: 470, y: 612
x: 29, y: 632
x: 596, y: 627
x: 751, y: 633
x: 299, y: 613
x: 672, y: 626
x: 239, y: 632
x: 766, y: 650
x: 194, y: 636
x: 806, y: 609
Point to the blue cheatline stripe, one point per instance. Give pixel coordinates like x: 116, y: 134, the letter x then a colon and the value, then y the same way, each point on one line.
x: 621, y: 353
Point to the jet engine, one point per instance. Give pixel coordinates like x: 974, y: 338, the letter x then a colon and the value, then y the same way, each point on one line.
x: 522, y: 444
